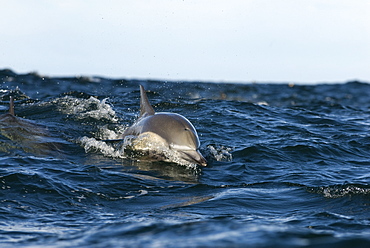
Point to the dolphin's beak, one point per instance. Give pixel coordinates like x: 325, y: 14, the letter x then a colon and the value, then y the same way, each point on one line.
x: 194, y: 156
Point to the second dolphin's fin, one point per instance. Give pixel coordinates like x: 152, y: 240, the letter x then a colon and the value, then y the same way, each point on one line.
x: 11, y: 105
x: 145, y: 107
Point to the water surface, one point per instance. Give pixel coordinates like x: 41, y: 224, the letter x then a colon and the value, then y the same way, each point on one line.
x: 289, y: 166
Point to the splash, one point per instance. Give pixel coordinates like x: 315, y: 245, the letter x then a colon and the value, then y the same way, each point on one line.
x: 98, y: 146
x: 106, y: 132
x: 219, y: 153
x: 147, y: 146
x: 91, y: 108
x: 338, y: 191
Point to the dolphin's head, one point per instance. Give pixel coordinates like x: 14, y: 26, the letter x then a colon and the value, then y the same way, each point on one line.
x: 179, y: 134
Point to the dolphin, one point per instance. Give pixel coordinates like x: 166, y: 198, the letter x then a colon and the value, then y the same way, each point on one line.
x: 30, y: 136
x: 173, y: 131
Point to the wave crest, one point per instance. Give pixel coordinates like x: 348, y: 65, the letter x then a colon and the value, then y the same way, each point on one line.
x: 338, y: 191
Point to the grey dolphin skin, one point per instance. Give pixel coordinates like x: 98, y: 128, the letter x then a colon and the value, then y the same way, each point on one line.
x: 176, y: 131
x: 30, y: 136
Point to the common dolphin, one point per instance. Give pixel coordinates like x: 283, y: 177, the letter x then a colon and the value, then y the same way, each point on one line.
x: 30, y: 136
x: 172, y: 130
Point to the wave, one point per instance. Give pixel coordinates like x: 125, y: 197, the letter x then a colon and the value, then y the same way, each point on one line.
x: 345, y: 190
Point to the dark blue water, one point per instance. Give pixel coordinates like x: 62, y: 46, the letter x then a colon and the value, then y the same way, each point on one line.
x: 289, y: 166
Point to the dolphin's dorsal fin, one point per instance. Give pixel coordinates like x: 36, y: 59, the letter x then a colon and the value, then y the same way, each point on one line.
x: 11, y: 105
x: 145, y: 107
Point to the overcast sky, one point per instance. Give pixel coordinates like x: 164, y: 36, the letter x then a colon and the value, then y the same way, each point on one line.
x: 210, y: 40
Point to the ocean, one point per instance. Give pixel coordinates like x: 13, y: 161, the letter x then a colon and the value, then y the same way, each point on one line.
x: 288, y: 165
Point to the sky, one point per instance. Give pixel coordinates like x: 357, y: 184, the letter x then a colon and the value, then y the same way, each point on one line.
x: 207, y: 40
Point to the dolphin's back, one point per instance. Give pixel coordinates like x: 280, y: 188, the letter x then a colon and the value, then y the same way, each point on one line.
x: 26, y: 133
